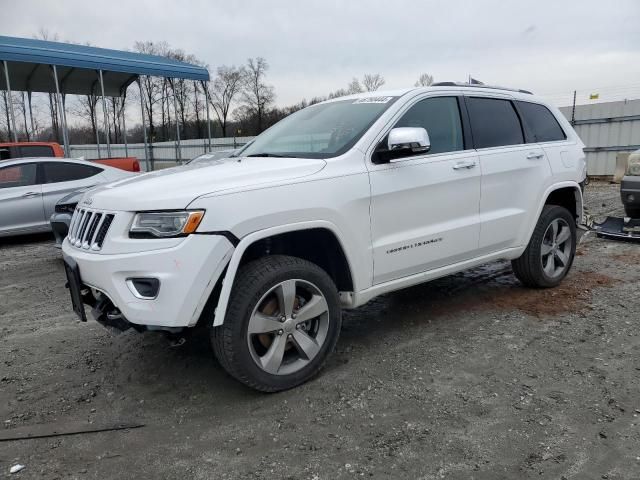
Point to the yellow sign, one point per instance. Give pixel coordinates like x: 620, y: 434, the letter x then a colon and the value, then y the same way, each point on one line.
x: 594, y: 96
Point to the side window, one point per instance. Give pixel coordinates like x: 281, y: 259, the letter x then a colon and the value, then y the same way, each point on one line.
x: 494, y: 122
x: 440, y: 116
x: 541, y: 124
x: 18, y: 175
x: 58, y: 171
x: 36, y: 151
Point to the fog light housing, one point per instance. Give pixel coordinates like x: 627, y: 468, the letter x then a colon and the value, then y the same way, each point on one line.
x: 145, y: 288
x: 631, y: 198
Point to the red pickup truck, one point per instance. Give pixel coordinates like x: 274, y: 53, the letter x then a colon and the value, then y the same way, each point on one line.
x: 52, y: 149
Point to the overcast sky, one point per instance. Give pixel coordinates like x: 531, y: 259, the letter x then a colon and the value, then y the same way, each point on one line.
x: 315, y: 46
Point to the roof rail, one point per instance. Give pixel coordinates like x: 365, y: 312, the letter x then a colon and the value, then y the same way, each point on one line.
x: 475, y: 85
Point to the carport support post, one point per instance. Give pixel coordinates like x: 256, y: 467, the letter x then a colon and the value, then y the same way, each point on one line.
x: 206, y: 100
x: 144, y: 127
x: 13, y: 118
x: 33, y: 129
x: 124, y: 126
x: 104, y: 111
x: 175, y: 110
x: 63, y: 116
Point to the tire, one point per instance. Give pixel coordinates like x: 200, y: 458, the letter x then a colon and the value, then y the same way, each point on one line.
x: 633, y: 212
x: 260, y: 299
x: 543, y: 248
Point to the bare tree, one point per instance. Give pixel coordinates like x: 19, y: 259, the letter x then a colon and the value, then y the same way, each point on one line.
x: 151, y: 87
x: 256, y: 94
x: 424, y: 80
x: 354, y: 87
x: 223, y: 90
x: 86, y: 108
x: 372, y: 81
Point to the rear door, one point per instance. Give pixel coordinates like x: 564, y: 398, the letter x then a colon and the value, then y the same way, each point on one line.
x: 513, y: 172
x: 61, y: 177
x: 425, y: 208
x: 21, y: 208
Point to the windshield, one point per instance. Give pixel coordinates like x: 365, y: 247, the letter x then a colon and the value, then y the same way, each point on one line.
x: 320, y: 131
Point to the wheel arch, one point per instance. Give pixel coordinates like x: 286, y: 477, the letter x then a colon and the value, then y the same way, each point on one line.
x: 565, y: 194
x: 341, y: 271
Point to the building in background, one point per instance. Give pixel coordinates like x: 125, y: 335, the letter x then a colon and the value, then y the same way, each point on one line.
x: 606, y: 129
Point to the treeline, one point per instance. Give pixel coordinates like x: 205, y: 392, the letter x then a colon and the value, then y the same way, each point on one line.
x: 240, y: 99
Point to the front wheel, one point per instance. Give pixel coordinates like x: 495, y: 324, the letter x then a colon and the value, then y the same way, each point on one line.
x: 283, y: 320
x: 549, y: 255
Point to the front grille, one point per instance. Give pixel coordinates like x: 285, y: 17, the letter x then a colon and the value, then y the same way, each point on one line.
x: 89, y: 228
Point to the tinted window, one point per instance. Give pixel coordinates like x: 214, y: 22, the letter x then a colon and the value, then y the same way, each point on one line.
x: 440, y: 117
x: 18, y: 175
x: 65, y: 172
x: 36, y: 151
x: 494, y: 122
x: 541, y: 125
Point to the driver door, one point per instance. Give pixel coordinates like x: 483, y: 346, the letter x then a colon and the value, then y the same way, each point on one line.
x: 425, y: 209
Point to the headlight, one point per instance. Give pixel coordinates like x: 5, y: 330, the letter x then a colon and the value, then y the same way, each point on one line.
x: 633, y: 166
x: 165, y: 224
x: 65, y: 207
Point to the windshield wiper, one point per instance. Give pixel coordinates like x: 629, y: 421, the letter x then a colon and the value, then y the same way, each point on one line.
x: 274, y: 155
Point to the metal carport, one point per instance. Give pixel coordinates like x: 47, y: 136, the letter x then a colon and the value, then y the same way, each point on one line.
x: 32, y: 65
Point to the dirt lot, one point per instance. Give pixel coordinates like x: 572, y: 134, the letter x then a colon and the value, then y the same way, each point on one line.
x: 471, y: 376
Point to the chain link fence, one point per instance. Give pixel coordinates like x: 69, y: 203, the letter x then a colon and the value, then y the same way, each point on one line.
x: 160, y: 154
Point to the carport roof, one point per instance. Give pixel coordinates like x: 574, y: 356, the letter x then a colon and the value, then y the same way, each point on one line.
x: 29, y: 62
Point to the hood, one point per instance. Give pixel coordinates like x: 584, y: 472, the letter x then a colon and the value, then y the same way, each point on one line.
x: 175, y: 188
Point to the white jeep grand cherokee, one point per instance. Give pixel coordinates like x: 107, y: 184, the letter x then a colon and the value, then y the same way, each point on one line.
x: 336, y: 204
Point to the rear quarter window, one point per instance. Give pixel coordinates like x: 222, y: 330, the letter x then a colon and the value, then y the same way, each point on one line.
x: 59, y: 171
x: 494, y: 122
x: 540, y: 124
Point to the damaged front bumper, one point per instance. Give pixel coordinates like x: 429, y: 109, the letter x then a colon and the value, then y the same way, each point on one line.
x: 617, y: 228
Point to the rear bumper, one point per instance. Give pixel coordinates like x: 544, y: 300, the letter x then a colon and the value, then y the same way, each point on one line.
x: 630, y: 190
x: 187, y: 273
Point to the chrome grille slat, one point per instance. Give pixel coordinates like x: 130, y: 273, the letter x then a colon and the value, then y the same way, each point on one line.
x: 92, y: 239
x: 88, y: 228
x: 85, y: 227
x: 74, y: 225
x: 91, y: 230
x: 81, y: 225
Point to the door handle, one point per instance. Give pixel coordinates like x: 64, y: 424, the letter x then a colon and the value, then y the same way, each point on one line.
x: 464, y: 165
x: 30, y: 194
x: 534, y: 156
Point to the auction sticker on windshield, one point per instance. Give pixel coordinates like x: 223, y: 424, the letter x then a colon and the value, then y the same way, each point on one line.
x: 373, y: 100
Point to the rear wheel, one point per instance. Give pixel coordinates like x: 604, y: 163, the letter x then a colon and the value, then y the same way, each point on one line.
x: 283, y: 321
x: 549, y: 255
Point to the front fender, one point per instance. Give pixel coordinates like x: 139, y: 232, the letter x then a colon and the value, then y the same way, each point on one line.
x: 246, y: 242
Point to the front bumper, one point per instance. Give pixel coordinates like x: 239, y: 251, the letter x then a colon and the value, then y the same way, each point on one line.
x: 60, y: 226
x: 187, y: 272
x: 630, y: 190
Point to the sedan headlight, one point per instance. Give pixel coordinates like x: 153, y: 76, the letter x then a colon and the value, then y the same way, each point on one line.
x: 165, y: 224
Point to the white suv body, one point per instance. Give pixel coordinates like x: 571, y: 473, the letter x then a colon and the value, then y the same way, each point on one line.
x: 372, y: 223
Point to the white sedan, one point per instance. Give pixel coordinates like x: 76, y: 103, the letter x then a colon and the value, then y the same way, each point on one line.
x: 31, y: 187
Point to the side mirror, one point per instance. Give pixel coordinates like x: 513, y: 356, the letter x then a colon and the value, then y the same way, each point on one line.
x: 409, y: 138
x: 402, y: 142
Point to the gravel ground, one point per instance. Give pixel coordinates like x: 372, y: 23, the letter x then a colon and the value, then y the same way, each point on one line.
x: 471, y: 376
